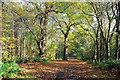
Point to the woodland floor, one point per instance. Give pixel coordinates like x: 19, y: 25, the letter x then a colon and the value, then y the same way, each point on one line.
x: 65, y: 70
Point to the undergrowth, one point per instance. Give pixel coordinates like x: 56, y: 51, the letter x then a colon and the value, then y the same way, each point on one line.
x: 107, y: 64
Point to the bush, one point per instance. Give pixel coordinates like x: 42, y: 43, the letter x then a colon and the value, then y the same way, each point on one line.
x: 9, y: 69
x: 59, y: 57
x: 82, y: 58
x: 108, y: 64
x: 78, y: 57
x: 37, y: 59
x: 22, y: 61
x: 46, y: 61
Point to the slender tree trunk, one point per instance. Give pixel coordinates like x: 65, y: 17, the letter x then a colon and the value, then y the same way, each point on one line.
x: 117, y: 51
x: 24, y: 52
x: 101, y: 47
x: 16, y: 42
x: 96, y: 49
x: 119, y: 31
x: 117, y: 46
x: 65, y: 48
x: 107, y: 51
x: 1, y: 31
x: 21, y: 48
x: 20, y: 45
x: 93, y: 56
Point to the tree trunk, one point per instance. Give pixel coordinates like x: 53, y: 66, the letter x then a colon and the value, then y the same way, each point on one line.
x: 42, y: 43
x: 39, y: 48
x: 96, y: 50
x: 101, y: 48
x: 106, y: 45
x: 117, y: 51
x: 65, y: 48
x: 1, y: 33
x: 93, y: 56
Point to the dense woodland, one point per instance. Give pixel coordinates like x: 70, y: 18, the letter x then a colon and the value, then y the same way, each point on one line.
x: 33, y: 32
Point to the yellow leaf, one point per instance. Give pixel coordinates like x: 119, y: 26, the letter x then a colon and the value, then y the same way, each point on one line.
x: 3, y: 38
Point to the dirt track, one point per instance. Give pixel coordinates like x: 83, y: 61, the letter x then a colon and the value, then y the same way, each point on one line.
x: 65, y: 70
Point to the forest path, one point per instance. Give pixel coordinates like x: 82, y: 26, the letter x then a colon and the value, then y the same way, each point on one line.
x: 72, y: 69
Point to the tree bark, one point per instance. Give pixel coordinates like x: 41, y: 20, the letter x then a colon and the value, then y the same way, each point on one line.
x: 117, y: 51
x: 65, y: 48
x: 39, y: 48
x: 1, y: 31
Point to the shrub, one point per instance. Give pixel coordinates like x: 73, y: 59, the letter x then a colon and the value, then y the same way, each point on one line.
x: 108, y: 64
x: 9, y: 69
x: 37, y: 59
x: 82, y: 58
x: 45, y: 61
x: 22, y: 61
x: 78, y: 57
